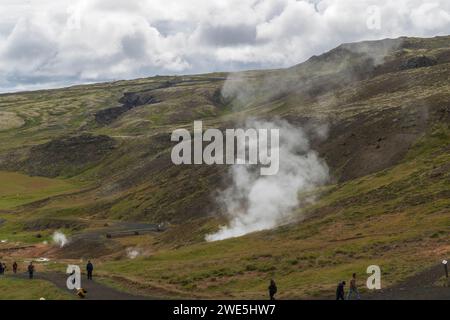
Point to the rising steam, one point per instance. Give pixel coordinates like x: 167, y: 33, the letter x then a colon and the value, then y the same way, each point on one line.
x: 60, y: 239
x: 254, y: 202
x: 132, y: 253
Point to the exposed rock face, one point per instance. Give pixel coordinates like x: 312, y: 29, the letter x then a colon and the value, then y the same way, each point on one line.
x: 129, y: 101
x: 66, y: 156
x: 53, y: 224
x: 418, y: 62
x: 218, y: 99
x: 106, y: 116
x: 75, y: 152
x: 88, y: 248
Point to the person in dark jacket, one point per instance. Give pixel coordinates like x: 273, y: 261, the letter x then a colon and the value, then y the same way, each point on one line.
x: 272, y: 289
x: 31, y: 270
x: 89, y: 269
x: 15, y: 267
x: 2, y: 270
x: 340, y: 291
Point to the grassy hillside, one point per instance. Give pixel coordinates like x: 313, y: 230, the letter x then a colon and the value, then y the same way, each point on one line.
x: 18, y: 189
x: 94, y: 159
x: 24, y: 289
x: 397, y: 219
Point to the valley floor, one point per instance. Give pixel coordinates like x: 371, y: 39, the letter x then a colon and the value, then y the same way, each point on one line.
x: 427, y: 285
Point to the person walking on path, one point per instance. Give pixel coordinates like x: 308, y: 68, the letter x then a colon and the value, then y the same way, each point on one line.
x: 272, y: 289
x: 15, y: 267
x: 89, y: 269
x: 353, y: 288
x: 340, y: 295
x: 31, y: 270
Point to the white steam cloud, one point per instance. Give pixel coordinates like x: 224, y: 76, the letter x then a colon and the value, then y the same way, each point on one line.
x: 254, y: 202
x: 60, y: 239
x: 132, y: 253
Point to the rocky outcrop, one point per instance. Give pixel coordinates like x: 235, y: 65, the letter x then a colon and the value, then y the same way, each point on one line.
x: 65, y: 156
x: 129, y: 101
x: 42, y: 224
x: 418, y: 62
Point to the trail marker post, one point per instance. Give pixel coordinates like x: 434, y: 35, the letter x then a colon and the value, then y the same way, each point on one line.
x: 445, y: 263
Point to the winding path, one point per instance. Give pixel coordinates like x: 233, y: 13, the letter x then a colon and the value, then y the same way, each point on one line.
x: 95, y: 290
x: 421, y: 286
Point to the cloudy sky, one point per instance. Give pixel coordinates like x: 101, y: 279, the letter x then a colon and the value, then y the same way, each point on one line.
x: 52, y: 43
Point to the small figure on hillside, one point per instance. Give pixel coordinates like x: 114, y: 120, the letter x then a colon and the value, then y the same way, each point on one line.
x: 340, y: 295
x: 2, y: 269
x: 15, y: 266
x: 31, y: 270
x: 89, y: 269
x: 353, y: 288
x: 272, y: 289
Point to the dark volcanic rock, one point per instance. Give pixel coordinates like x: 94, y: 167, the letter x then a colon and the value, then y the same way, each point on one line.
x: 67, y: 156
x: 48, y: 223
x: 88, y: 248
x: 418, y: 62
x: 129, y: 101
x: 106, y: 116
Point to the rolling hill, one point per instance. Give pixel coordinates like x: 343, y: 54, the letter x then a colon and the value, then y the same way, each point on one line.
x: 94, y: 159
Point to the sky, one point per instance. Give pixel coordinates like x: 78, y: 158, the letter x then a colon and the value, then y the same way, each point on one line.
x: 55, y: 43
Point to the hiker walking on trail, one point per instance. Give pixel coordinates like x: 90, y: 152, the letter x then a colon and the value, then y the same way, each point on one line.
x: 31, y: 270
x: 353, y: 288
x: 89, y: 269
x: 272, y: 289
x: 15, y: 267
x: 340, y: 291
x: 2, y: 269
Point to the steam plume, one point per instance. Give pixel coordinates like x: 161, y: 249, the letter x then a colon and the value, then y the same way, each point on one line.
x: 132, y: 253
x: 60, y: 239
x: 254, y: 202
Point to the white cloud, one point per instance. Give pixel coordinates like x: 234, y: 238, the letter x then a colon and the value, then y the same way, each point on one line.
x: 56, y: 42
x: 430, y: 16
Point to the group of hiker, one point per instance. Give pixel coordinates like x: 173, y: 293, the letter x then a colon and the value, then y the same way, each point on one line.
x: 15, y: 267
x: 3, y: 267
x: 353, y: 290
x: 340, y: 290
x: 31, y: 269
